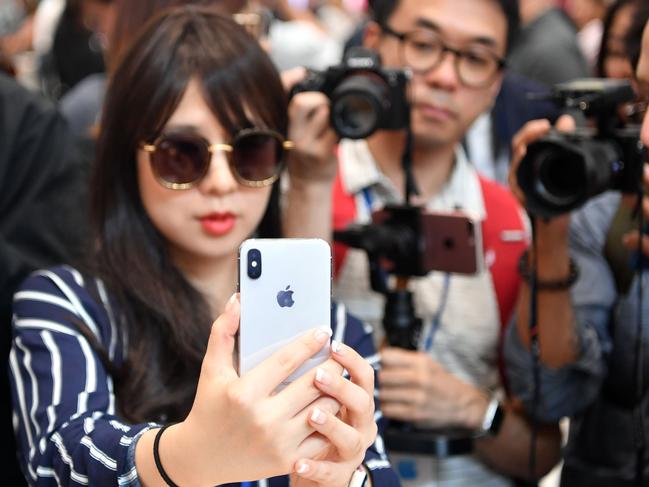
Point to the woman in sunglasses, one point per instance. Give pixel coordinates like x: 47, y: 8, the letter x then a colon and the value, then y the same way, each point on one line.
x: 191, y: 148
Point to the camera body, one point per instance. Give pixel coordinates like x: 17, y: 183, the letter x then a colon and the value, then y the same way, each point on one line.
x: 364, y: 97
x: 560, y: 172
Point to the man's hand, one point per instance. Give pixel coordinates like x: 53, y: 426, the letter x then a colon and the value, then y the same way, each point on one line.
x: 314, y: 160
x: 556, y: 229
x: 311, y: 165
x: 413, y: 387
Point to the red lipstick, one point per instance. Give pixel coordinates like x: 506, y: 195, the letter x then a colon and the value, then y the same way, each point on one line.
x: 218, y: 224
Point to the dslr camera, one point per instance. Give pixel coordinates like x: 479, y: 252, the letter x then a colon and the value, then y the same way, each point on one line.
x: 364, y: 97
x: 562, y: 171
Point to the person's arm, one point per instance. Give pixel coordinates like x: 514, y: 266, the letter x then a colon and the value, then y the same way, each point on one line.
x: 243, y: 428
x: 67, y: 426
x: 417, y: 388
x: 571, y: 338
x: 308, y: 210
x: 557, y: 337
x: 509, y: 451
x: 568, y: 389
x: 307, y: 205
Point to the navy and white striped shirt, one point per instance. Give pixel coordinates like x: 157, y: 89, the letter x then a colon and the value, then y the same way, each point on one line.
x: 65, y: 420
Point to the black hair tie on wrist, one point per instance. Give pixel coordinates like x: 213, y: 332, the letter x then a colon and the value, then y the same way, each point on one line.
x: 156, y: 456
x: 555, y: 285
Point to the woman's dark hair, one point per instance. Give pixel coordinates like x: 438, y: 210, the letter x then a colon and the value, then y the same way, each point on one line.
x: 633, y: 38
x: 75, y: 52
x: 165, y: 321
x: 132, y: 15
x: 381, y: 10
x: 611, y: 13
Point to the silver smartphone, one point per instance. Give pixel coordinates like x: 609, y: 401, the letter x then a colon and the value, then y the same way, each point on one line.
x: 285, y: 291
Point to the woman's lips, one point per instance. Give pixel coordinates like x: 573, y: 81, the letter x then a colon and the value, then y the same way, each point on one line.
x: 218, y: 224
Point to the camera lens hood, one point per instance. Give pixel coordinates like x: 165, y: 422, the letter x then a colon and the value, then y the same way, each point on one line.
x: 358, y: 105
x: 560, y: 173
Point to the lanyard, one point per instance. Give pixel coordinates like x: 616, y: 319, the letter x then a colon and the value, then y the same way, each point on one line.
x: 367, y: 196
x: 437, y: 317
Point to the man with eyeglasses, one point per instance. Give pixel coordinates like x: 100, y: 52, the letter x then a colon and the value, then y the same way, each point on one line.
x: 455, y: 50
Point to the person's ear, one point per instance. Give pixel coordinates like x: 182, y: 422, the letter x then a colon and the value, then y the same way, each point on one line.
x: 372, y: 35
x: 494, y: 89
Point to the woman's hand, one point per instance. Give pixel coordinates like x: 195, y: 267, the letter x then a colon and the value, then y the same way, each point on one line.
x: 350, y: 432
x: 239, y: 428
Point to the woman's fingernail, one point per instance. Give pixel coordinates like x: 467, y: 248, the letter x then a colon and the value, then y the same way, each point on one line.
x: 337, y: 347
x: 323, y: 334
x: 302, y: 468
x: 318, y: 416
x: 322, y: 376
x: 231, y: 302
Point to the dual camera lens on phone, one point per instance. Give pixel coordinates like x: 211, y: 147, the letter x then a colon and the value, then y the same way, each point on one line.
x: 254, y: 264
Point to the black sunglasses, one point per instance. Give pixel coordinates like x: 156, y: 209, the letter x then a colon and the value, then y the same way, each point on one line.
x: 181, y: 160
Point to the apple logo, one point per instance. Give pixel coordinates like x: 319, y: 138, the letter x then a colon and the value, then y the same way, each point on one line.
x: 285, y: 298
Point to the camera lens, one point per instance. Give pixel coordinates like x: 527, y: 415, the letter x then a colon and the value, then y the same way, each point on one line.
x: 560, y: 173
x: 254, y: 264
x: 357, y: 105
x: 354, y: 115
x: 560, y: 177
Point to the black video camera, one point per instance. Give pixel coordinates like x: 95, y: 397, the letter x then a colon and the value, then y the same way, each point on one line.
x: 364, y: 97
x: 562, y: 171
x: 411, y: 241
x: 407, y: 241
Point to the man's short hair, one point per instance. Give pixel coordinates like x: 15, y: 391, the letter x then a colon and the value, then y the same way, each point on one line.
x: 381, y: 10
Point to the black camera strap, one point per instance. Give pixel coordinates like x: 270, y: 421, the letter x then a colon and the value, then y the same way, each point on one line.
x: 436, y: 321
x: 640, y: 439
x: 406, y: 163
x: 535, y: 352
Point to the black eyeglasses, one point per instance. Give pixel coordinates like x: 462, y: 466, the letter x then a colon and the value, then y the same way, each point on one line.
x: 423, y: 50
x: 181, y: 160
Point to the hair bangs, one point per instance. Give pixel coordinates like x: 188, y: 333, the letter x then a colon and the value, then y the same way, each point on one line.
x: 231, y: 80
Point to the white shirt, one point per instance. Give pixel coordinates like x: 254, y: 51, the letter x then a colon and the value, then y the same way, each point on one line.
x: 466, y: 342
